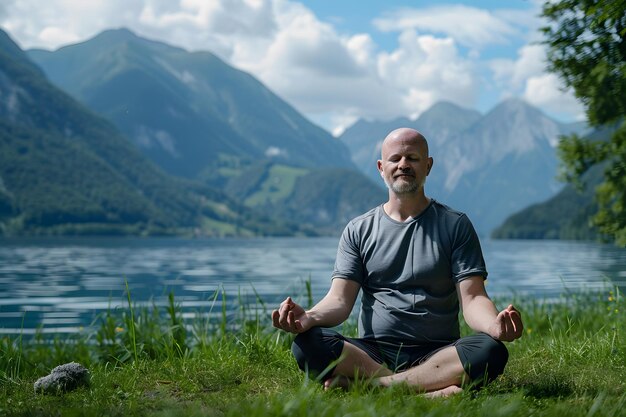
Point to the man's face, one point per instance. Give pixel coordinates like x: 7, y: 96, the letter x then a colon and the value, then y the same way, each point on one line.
x: 405, y: 164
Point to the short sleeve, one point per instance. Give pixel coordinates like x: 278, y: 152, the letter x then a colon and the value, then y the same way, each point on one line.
x: 349, y: 263
x: 467, y: 256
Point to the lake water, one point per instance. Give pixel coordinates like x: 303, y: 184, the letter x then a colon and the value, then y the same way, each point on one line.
x: 61, y: 285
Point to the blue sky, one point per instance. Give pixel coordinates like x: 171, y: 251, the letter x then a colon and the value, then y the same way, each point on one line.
x: 335, y: 61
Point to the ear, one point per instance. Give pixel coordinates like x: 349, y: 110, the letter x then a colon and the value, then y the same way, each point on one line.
x: 379, y: 164
x: 430, y: 165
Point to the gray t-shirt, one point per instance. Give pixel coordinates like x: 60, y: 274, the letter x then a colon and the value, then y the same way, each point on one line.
x: 408, y: 272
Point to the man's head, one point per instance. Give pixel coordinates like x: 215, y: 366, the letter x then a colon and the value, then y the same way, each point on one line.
x: 405, y: 163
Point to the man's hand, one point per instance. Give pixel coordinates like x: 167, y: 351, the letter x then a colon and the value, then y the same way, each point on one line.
x: 508, y: 325
x: 290, y: 317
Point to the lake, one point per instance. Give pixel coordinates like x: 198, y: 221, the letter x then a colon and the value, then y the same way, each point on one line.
x: 60, y: 285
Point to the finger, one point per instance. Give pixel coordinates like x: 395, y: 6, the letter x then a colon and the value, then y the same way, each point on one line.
x: 275, y: 317
x: 286, y: 301
x: 508, y: 326
x: 516, y: 318
x: 501, y: 321
x: 512, y: 309
x: 284, y: 314
x: 285, y: 308
x: 291, y: 322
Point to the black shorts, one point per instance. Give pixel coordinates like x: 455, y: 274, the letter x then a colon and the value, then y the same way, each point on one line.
x: 483, y: 357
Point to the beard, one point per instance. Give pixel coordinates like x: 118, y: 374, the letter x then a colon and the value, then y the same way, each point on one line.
x: 406, y: 186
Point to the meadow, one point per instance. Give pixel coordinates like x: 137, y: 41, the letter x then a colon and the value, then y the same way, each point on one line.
x: 150, y: 361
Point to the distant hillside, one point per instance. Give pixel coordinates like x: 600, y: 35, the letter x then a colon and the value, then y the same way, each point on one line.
x: 567, y: 215
x: 198, y: 117
x: 488, y: 166
x: 564, y: 216
x: 64, y: 170
x: 325, y: 198
x: 190, y: 112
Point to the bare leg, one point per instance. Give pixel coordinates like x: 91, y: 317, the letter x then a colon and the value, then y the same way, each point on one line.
x: 441, y: 375
x: 355, y: 361
x: 441, y: 372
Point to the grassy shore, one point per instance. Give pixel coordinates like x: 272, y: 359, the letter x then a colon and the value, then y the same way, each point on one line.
x: 571, y: 361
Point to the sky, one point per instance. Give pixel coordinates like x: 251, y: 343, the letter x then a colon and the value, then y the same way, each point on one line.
x: 335, y: 61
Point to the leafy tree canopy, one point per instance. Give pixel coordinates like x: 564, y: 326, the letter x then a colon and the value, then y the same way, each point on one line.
x: 586, y: 42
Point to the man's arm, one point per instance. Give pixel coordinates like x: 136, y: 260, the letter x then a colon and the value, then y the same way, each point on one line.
x: 481, y: 315
x: 332, y: 310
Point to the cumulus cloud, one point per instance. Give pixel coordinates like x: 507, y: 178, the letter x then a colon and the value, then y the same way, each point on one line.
x: 469, y: 26
x: 426, y: 69
x: 546, y: 91
x: 526, y: 77
x: 513, y: 74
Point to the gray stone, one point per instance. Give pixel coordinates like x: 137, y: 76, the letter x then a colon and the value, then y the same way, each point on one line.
x: 63, y: 378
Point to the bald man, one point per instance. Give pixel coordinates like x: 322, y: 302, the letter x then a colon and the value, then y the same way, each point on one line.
x: 415, y: 261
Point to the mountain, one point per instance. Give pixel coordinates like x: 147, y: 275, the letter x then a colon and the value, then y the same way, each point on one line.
x: 566, y: 215
x: 488, y: 166
x: 197, y: 117
x: 438, y: 123
x: 64, y: 170
x: 190, y: 112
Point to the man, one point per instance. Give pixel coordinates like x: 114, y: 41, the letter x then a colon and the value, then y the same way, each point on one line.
x: 416, y: 260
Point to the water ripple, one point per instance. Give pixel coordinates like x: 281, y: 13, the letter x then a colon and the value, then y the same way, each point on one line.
x: 63, y: 284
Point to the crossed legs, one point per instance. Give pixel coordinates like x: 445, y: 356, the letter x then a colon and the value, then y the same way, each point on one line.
x: 441, y: 372
x: 476, y: 358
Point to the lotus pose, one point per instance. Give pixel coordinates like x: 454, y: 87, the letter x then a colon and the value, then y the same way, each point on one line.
x: 415, y: 261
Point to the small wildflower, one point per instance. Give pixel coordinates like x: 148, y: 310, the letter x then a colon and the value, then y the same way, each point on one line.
x: 529, y: 330
x: 119, y: 330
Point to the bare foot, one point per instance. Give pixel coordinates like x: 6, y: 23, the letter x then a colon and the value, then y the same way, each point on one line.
x: 337, y: 382
x: 444, y: 392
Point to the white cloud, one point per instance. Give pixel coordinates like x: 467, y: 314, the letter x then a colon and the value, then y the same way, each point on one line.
x: 527, y: 77
x: 57, y: 36
x: 321, y: 72
x: 469, y: 26
x: 546, y: 91
x: 232, y: 17
x: 426, y: 69
x: 512, y: 74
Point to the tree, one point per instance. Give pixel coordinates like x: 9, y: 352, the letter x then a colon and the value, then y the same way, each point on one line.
x: 586, y: 42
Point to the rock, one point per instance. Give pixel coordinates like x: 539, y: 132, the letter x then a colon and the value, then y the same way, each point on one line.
x: 63, y: 378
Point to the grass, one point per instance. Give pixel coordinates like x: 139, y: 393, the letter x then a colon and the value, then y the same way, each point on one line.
x: 278, y: 185
x: 571, y: 361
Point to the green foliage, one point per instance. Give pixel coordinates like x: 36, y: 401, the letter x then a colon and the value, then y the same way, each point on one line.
x: 276, y: 186
x: 587, y: 48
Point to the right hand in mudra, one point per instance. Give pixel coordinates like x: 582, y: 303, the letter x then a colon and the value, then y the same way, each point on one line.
x: 291, y: 317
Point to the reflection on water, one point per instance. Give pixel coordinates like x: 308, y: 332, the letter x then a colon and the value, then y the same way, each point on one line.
x: 62, y: 284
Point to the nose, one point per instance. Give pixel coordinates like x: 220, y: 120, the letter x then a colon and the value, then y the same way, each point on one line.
x: 403, y: 164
